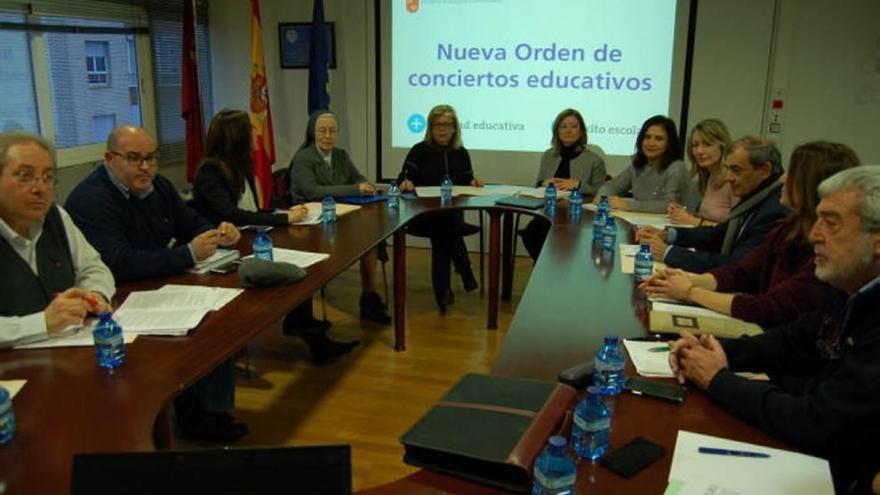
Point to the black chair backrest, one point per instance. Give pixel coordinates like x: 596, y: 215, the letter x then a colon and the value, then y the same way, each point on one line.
x: 281, y: 189
x: 323, y: 470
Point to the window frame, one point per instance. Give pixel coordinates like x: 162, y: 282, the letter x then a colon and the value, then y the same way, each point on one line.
x: 94, y: 71
x: 84, y: 9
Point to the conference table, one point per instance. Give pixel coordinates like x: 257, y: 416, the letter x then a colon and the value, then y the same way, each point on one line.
x: 576, y: 295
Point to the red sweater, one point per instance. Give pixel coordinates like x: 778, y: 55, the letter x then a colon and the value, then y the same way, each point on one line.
x: 775, y: 281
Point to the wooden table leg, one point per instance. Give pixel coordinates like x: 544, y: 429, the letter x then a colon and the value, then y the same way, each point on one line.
x: 163, y: 429
x: 400, y: 290
x: 509, y: 235
x: 494, y: 266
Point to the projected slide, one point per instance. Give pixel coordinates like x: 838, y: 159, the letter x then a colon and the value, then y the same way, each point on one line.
x: 509, y: 66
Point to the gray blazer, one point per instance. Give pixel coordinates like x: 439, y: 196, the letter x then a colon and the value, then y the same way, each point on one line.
x: 653, y: 190
x: 312, y: 179
x: 588, y: 167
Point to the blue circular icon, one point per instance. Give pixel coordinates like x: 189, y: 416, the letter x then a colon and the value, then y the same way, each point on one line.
x: 416, y: 123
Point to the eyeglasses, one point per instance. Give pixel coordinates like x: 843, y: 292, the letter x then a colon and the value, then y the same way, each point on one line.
x: 326, y: 130
x: 28, y: 178
x: 135, y: 159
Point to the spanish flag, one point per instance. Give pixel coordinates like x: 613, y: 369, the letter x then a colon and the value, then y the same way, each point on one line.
x: 261, y: 114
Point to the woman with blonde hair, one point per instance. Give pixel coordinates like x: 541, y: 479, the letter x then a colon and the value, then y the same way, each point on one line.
x: 705, y: 150
x: 427, y: 163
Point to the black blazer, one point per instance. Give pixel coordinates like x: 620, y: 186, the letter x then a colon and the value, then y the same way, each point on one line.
x: 708, y: 240
x: 214, y: 199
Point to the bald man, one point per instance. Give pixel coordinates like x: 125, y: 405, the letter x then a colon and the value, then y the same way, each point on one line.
x: 136, y: 220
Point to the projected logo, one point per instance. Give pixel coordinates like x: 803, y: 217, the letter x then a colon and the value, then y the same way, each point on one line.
x: 412, y: 6
x: 416, y: 123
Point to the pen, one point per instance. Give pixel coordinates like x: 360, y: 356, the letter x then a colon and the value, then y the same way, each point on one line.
x: 739, y: 453
x: 662, y: 348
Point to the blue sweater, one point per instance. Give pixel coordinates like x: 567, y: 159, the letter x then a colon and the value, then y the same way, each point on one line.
x: 133, y: 235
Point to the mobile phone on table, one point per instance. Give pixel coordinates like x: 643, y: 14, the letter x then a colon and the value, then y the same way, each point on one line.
x: 628, y: 460
x: 225, y: 268
x: 666, y: 391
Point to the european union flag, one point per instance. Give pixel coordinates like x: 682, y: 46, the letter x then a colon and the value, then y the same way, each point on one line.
x: 319, y: 61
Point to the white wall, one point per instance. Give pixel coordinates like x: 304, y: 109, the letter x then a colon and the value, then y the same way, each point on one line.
x: 350, y: 95
x: 824, y: 53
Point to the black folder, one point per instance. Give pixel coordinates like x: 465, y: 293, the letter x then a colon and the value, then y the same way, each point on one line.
x: 489, y: 429
x: 520, y: 202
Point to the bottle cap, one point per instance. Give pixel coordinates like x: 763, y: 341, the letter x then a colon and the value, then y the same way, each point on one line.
x: 611, y: 339
x: 557, y: 441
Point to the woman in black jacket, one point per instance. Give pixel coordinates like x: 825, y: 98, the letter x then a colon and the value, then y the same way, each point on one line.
x: 224, y: 190
x: 440, y: 154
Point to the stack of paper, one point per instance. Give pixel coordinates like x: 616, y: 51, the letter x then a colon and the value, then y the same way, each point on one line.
x: 171, y: 310
x: 673, y: 318
x: 302, y: 259
x: 650, y: 358
x: 79, y: 336
x: 12, y: 386
x: 779, y: 473
x: 219, y: 258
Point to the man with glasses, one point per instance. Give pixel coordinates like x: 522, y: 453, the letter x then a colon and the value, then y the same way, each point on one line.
x: 823, y: 396
x: 135, y: 217
x: 52, y: 278
x: 754, y: 170
x: 137, y: 221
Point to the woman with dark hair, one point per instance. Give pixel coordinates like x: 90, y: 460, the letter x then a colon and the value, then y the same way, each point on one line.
x: 657, y: 176
x: 224, y: 191
x: 439, y: 154
x: 706, y: 144
x: 776, y: 281
x: 322, y: 169
x: 568, y: 164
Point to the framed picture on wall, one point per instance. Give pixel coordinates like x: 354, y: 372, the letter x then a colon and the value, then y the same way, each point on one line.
x: 294, y: 39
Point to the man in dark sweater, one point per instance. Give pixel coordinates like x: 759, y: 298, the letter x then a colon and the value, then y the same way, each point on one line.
x: 754, y: 168
x: 142, y: 229
x: 824, y: 392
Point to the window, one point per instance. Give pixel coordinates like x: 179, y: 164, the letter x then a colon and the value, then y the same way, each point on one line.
x: 132, y: 55
x: 96, y: 62
x: 101, y: 127
x: 19, y: 109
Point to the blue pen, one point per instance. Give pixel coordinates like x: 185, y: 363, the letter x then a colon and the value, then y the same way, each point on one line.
x: 739, y: 453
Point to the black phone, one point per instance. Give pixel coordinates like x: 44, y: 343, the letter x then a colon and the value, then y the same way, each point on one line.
x: 628, y: 460
x: 666, y: 391
x: 226, y: 268
x: 579, y: 376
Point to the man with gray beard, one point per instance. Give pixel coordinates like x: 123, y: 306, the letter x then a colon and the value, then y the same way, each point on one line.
x: 823, y: 396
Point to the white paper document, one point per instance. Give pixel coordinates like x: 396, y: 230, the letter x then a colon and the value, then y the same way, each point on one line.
x: 178, y: 321
x: 302, y: 259
x: 650, y: 358
x: 782, y: 473
x: 219, y: 258
x: 172, y: 309
x: 13, y: 386
x: 81, y: 338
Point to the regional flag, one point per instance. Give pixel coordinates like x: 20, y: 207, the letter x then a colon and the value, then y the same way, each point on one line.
x: 261, y: 114
x: 190, y: 103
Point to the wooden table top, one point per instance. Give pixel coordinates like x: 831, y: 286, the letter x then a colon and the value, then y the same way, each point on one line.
x: 574, y: 296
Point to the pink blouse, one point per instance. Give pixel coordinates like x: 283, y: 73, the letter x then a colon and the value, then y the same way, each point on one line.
x: 717, y: 203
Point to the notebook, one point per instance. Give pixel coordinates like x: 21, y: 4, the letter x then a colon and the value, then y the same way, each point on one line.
x: 520, y: 202
x: 322, y: 470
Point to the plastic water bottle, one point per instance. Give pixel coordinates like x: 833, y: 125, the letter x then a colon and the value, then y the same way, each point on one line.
x: 575, y: 204
x: 644, y: 263
x: 609, y: 233
x: 109, y: 345
x: 7, y: 416
x: 446, y: 190
x: 393, y: 195
x: 608, y: 374
x: 601, y: 216
x: 592, y: 426
x: 328, y: 209
x: 550, y: 197
x: 262, y: 245
x: 555, y: 472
